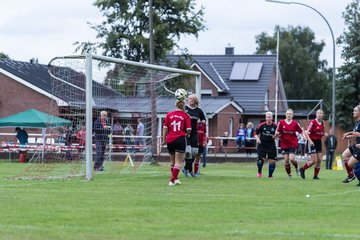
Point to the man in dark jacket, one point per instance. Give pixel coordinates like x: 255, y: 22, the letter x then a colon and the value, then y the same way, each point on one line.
x: 22, y: 136
x: 330, y: 144
x: 102, y: 130
x: 67, y: 141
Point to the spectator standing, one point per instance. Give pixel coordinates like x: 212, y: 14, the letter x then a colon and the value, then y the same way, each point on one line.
x: 330, y: 144
x: 61, y: 135
x: 81, y: 136
x: 102, y: 130
x: 67, y: 135
x: 139, y: 140
x: 22, y: 137
x: 117, y: 130
x: 129, y: 133
x: 301, y: 143
x: 207, y: 143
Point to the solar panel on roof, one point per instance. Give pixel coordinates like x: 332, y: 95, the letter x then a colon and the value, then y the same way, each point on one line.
x: 253, y: 71
x: 238, y: 71
x: 246, y: 71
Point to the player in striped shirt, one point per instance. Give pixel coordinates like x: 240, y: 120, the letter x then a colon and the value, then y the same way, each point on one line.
x: 314, y: 133
x: 286, y: 130
x: 176, y: 128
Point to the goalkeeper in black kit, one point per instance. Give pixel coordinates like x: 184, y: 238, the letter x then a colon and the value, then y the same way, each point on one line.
x: 193, y: 141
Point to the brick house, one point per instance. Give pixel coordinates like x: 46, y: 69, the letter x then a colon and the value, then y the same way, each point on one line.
x: 247, y: 81
x: 235, y: 88
x: 26, y: 85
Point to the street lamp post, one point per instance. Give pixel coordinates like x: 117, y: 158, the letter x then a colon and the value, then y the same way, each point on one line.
x: 333, y: 69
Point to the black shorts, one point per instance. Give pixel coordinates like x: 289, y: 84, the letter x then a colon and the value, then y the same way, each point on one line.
x: 201, y: 149
x: 355, y: 151
x: 193, y: 140
x: 267, y: 151
x: 353, y: 148
x: 287, y: 151
x: 316, y: 148
x: 178, y: 145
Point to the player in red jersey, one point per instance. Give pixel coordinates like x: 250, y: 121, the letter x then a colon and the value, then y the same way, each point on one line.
x: 286, y: 130
x: 201, y: 129
x: 266, y: 149
x: 314, y: 132
x: 176, y: 128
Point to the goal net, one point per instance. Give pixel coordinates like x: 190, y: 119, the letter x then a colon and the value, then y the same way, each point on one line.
x: 135, y: 96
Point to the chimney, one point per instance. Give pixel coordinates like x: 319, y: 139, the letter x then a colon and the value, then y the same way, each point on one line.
x: 229, y: 50
x: 34, y: 60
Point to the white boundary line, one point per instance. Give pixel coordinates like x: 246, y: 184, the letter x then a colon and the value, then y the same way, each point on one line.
x: 293, y: 234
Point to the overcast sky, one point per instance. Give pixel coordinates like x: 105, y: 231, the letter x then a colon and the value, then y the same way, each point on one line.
x: 46, y: 29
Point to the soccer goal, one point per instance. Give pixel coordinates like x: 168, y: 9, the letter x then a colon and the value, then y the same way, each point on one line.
x: 136, y: 97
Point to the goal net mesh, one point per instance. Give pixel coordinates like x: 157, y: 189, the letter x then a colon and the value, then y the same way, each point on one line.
x: 136, y: 98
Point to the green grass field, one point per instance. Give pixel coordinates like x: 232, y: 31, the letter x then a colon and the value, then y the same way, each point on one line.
x: 226, y: 202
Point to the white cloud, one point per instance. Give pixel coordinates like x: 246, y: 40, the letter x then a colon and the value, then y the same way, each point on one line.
x: 238, y: 22
x: 45, y: 29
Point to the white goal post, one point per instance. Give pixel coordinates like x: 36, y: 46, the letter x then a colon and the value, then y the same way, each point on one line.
x: 113, y: 68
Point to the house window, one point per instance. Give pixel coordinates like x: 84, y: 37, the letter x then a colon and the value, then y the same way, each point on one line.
x: 231, y: 126
x: 246, y: 71
x: 266, y: 103
x: 206, y: 92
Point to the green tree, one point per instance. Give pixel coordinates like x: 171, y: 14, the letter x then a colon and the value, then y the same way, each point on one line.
x: 304, y: 75
x: 4, y: 56
x: 125, y: 30
x: 348, y: 79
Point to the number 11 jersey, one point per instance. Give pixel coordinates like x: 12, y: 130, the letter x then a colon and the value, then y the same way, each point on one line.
x: 177, y: 122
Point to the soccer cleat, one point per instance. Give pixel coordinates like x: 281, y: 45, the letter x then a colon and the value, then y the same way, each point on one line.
x: 259, y: 175
x: 316, y: 178
x: 302, y: 173
x: 358, y: 185
x: 177, y: 182
x: 298, y: 171
x: 185, y: 172
x: 100, y: 169
x: 193, y: 175
x: 289, y: 175
x: 271, y: 177
x: 171, y: 184
x: 348, y: 179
